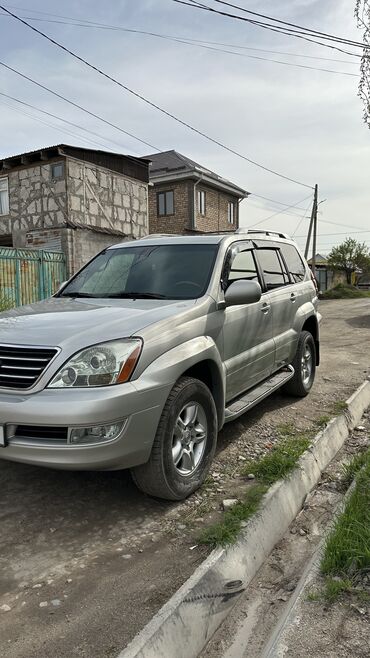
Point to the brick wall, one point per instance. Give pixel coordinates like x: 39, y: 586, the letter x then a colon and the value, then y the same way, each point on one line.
x: 215, y: 218
x: 216, y: 215
x: 181, y: 219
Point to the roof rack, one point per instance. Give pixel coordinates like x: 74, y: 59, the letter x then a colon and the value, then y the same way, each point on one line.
x: 272, y: 233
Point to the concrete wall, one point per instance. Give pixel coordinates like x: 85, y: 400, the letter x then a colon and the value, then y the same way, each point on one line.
x: 107, y: 201
x: 215, y: 218
x: 36, y: 201
x: 44, y: 212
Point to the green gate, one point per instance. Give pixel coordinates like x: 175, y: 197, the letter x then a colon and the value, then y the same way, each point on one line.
x: 28, y: 275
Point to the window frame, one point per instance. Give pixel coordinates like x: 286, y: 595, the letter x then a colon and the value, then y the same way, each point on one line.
x: 6, y: 190
x: 284, y: 270
x: 287, y: 266
x: 234, y: 249
x: 202, y: 207
x: 231, y: 204
x: 165, y: 213
x: 57, y: 164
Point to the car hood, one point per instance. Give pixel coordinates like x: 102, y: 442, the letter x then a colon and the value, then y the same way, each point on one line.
x: 80, y: 322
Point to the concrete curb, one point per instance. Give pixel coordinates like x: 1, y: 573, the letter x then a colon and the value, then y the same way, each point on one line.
x: 275, y: 647
x: 188, y: 620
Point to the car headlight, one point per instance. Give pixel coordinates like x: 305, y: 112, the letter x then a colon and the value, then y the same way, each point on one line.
x: 99, y: 365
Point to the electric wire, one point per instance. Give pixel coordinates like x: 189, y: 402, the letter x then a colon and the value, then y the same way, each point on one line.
x: 153, y: 104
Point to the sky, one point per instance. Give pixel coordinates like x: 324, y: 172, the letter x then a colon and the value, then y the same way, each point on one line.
x: 306, y: 124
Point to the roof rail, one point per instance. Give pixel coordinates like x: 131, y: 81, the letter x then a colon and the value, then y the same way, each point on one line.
x: 158, y: 235
x: 285, y: 236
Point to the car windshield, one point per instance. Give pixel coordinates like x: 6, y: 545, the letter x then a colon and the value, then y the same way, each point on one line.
x: 180, y: 271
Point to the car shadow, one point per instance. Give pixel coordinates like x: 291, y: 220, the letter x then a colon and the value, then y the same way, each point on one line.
x: 359, y: 322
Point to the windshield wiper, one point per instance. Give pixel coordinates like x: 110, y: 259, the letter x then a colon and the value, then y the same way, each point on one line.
x: 78, y: 294
x: 136, y: 295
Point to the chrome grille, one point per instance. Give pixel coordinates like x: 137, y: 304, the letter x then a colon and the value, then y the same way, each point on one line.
x: 21, y: 367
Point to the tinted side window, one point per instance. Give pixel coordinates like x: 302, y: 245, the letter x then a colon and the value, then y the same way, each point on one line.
x: 243, y: 266
x: 273, y: 272
x: 294, y: 262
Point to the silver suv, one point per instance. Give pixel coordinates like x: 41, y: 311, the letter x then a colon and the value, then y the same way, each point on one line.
x: 139, y: 360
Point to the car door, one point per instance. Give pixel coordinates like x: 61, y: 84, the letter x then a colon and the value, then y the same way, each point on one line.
x: 283, y: 300
x: 247, y: 330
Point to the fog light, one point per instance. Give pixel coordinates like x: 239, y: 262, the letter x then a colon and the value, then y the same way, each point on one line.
x: 97, y: 434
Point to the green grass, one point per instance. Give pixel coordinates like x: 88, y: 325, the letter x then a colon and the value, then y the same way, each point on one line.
x: 277, y: 464
x: 343, y: 291
x: 322, y: 421
x: 339, y: 406
x: 355, y: 465
x: 347, y: 549
x: 282, y: 459
x: 226, y: 531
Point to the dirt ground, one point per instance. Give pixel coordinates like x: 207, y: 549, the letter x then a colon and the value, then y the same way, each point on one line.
x: 318, y: 629
x: 86, y: 560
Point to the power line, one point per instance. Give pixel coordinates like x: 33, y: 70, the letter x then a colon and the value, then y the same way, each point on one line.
x: 195, y: 43
x: 80, y: 107
x: 266, y: 26
x: 294, y: 25
x: 301, y: 220
x: 280, y: 212
x: 152, y: 104
x: 55, y: 116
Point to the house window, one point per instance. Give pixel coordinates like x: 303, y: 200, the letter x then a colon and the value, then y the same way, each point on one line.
x: 165, y: 203
x: 4, y: 196
x: 231, y: 212
x: 57, y: 170
x: 201, y: 202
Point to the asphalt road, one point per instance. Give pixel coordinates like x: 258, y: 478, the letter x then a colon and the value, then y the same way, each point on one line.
x: 86, y: 560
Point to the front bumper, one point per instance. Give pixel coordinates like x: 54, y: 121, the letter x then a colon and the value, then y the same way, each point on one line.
x: 142, y: 407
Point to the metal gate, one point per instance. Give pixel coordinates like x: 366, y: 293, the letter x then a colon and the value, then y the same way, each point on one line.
x: 28, y: 275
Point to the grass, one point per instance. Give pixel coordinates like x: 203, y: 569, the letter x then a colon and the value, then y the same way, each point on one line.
x: 347, y: 550
x: 322, y: 421
x: 277, y: 464
x: 355, y: 465
x: 339, y: 406
x: 344, y: 291
x: 226, y: 531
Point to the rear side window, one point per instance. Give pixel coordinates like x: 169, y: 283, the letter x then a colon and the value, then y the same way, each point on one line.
x: 294, y: 262
x: 273, y: 270
x: 243, y: 266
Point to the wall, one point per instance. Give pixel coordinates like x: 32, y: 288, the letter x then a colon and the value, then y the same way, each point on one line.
x: 106, y: 201
x: 215, y: 218
x: 216, y: 215
x: 181, y: 220
x: 35, y: 202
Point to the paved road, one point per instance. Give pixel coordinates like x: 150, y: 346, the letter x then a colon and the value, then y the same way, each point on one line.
x: 85, y: 559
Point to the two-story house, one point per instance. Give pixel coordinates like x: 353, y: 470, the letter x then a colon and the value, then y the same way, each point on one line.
x: 75, y: 200
x: 185, y: 197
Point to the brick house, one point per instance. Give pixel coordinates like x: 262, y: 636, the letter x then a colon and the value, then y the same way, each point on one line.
x: 185, y: 197
x: 75, y: 200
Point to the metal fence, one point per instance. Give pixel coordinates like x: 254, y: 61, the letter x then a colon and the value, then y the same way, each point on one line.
x: 28, y: 275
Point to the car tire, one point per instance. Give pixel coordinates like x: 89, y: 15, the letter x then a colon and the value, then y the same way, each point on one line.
x: 184, y: 444
x: 304, y: 364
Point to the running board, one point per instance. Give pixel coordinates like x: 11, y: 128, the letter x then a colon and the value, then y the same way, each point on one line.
x: 258, y: 393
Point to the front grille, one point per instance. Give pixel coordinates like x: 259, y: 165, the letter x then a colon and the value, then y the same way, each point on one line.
x: 38, y: 434
x: 20, y: 367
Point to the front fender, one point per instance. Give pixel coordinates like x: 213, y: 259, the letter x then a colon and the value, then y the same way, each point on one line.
x: 170, y: 366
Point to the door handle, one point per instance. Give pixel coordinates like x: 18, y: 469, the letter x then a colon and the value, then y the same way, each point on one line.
x: 293, y: 297
x: 265, y: 308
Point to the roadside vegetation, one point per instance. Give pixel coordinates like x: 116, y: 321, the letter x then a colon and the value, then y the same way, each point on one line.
x: 4, y: 303
x: 346, y: 558
x: 344, y: 291
x: 264, y: 472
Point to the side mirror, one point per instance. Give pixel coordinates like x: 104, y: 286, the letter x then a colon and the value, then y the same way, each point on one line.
x: 243, y: 292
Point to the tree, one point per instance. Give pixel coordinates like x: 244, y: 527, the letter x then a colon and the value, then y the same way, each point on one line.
x: 362, y: 14
x: 350, y: 257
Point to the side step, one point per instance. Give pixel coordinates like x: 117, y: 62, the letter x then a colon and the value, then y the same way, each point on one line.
x: 249, y: 399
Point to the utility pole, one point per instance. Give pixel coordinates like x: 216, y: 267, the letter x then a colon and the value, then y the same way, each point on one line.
x: 313, y: 225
